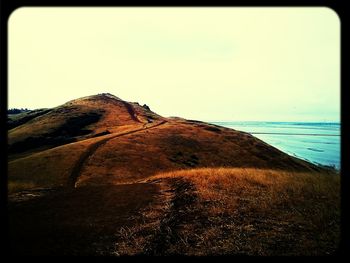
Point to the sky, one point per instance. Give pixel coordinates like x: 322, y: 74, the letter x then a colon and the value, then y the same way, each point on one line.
x: 209, y: 64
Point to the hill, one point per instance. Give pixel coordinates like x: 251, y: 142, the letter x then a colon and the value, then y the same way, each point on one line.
x: 83, y: 167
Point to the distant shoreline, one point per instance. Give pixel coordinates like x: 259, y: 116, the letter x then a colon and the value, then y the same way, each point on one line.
x: 301, y: 140
x: 278, y: 133
x: 277, y: 122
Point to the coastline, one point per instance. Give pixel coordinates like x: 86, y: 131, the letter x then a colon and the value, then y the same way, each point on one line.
x: 315, y: 142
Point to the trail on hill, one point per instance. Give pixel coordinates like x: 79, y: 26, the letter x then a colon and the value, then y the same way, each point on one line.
x: 131, y: 111
x: 92, y: 149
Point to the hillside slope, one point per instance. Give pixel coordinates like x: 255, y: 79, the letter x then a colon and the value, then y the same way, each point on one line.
x: 101, y: 168
x: 149, y: 142
x: 73, y: 121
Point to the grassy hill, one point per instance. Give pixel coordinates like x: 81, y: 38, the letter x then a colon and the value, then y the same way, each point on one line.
x: 187, y: 186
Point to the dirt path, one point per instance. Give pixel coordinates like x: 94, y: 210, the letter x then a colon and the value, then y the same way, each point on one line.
x: 131, y: 111
x: 131, y: 219
x: 181, y: 212
x: 92, y: 149
x: 79, y: 221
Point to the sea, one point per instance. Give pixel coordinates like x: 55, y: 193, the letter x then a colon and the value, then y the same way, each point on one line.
x: 316, y: 142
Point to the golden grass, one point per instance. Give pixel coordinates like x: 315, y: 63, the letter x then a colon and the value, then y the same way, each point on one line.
x: 213, y: 183
x: 115, y: 117
x: 257, y: 212
x: 52, y: 167
x: 49, y: 168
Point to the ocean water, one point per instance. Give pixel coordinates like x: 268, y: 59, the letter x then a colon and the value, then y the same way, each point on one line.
x: 317, y: 142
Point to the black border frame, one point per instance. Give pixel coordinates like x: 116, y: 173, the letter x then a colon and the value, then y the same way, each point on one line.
x: 8, y: 6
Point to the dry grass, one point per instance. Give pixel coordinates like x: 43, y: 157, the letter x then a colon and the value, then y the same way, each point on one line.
x: 255, y: 212
x: 140, y: 238
x: 52, y: 167
x: 49, y: 168
x: 270, y: 204
x: 172, y: 146
x: 177, y: 145
x: 278, y: 186
x: 76, y: 120
x: 234, y: 211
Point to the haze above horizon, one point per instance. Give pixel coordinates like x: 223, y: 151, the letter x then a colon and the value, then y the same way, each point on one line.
x: 223, y: 64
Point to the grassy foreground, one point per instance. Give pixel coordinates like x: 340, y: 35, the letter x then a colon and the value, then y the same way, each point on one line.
x: 235, y: 211
x: 203, y: 211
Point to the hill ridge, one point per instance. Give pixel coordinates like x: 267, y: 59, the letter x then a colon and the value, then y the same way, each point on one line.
x: 181, y: 144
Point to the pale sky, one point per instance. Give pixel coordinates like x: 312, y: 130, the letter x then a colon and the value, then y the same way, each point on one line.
x: 225, y: 64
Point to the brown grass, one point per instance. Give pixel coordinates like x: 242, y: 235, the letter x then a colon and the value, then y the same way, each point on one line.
x: 52, y: 167
x: 49, y: 168
x: 253, y: 212
x: 76, y: 120
x: 233, y: 211
x: 269, y: 204
x: 278, y: 186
